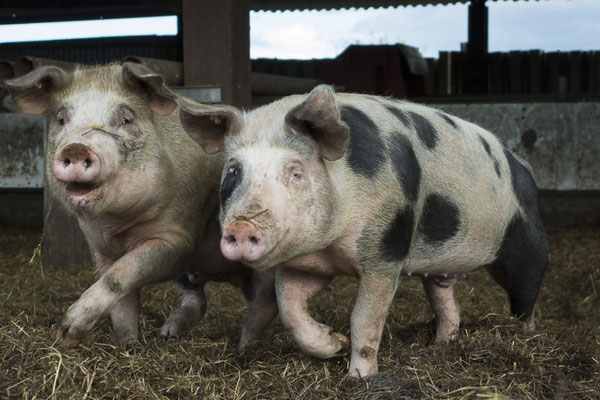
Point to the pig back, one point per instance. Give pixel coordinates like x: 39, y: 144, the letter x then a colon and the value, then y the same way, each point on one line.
x: 450, y: 180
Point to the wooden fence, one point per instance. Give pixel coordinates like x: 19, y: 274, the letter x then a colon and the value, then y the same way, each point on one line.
x: 533, y: 73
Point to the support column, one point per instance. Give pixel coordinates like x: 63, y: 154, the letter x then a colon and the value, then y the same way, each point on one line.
x: 477, y: 48
x: 216, y: 47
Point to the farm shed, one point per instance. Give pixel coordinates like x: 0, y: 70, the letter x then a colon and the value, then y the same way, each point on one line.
x: 543, y: 105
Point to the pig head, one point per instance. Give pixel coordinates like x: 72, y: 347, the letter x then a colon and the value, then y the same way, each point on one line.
x: 270, y: 205
x: 97, y: 125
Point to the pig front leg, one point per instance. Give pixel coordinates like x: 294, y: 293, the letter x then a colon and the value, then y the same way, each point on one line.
x: 191, y: 310
x: 294, y: 288
x: 262, y: 306
x: 153, y: 261
x: 375, y: 294
x: 125, y: 316
x: 442, y: 298
x: 126, y: 313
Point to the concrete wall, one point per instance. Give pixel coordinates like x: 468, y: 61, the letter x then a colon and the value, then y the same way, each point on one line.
x: 561, y: 141
x: 22, y: 154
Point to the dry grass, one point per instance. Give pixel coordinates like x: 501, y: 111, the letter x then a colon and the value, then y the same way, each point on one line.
x: 494, y: 358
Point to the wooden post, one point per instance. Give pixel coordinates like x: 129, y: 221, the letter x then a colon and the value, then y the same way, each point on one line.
x: 216, y: 47
x: 514, y: 66
x: 63, y: 243
x: 477, y: 48
x: 535, y: 71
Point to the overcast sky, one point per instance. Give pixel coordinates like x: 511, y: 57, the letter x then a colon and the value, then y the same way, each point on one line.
x: 546, y: 25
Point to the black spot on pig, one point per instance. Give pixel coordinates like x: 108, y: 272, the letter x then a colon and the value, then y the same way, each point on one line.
x: 523, y: 255
x: 523, y: 259
x: 366, y: 145
x: 440, y: 219
x: 113, y: 284
x: 497, y: 168
x: 396, y: 240
x: 448, y: 119
x: 522, y: 182
x: 406, y: 165
x: 232, y: 179
x: 488, y: 150
x: 367, y: 352
x: 400, y: 115
x: 486, y: 146
x: 426, y: 132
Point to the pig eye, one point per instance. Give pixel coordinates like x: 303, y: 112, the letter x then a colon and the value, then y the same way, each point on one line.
x: 233, y: 170
x: 296, y: 173
x: 60, y: 117
x: 124, y: 116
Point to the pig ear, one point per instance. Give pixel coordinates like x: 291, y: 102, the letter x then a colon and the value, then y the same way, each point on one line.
x: 319, y: 117
x: 208, y: 124
x: 139, y: 78
x: 30, y: 93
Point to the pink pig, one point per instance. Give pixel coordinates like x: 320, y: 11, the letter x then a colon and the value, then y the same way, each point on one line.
x: 145, y: 196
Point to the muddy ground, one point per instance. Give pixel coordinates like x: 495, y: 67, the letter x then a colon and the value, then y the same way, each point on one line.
x: 494, y: 357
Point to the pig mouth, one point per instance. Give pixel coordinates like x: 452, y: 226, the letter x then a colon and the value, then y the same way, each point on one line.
x: 77, y: 190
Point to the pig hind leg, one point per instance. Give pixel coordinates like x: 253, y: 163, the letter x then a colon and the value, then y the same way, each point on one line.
x: 191, y: 310
x: 294, y: 289
x: 262, y: 306
x: 520, y: 266
x: 124, y: 316
x: 441, y: 294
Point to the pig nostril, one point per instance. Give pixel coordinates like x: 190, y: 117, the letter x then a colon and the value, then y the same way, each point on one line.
x: 66, y: 161
x: 254, y: 240
x: 86, y: 163
x: 230, y: 240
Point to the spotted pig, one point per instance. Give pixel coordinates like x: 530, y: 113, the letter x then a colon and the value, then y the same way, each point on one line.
x: 332, y: 183
x: 145, y: 196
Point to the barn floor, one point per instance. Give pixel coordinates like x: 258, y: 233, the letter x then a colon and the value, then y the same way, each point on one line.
x: 494, y: 356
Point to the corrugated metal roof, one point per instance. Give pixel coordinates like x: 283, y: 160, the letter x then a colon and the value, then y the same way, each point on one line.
x: 291, y: 5
x: 22, y: 11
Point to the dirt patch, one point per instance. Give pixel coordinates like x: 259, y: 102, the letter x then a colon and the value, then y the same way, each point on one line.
x: 494, y: 357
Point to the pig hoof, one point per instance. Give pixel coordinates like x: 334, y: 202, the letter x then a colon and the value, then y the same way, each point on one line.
x: 246, y: 343
x: 171, y: 329
x: 176, y: 324
x: 60, y: 333
x: 68, y: 342
x: 127, y: 340
x: 344, y: 342
x: 65, y: 342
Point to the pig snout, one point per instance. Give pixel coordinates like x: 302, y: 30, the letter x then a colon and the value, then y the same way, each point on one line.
x: 242, y: 241
x: 76, y: 163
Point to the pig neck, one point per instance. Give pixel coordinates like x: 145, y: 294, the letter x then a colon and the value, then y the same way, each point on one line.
x: 115, y: 232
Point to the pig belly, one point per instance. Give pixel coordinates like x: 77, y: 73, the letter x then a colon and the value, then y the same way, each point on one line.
x: 456, y: 257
